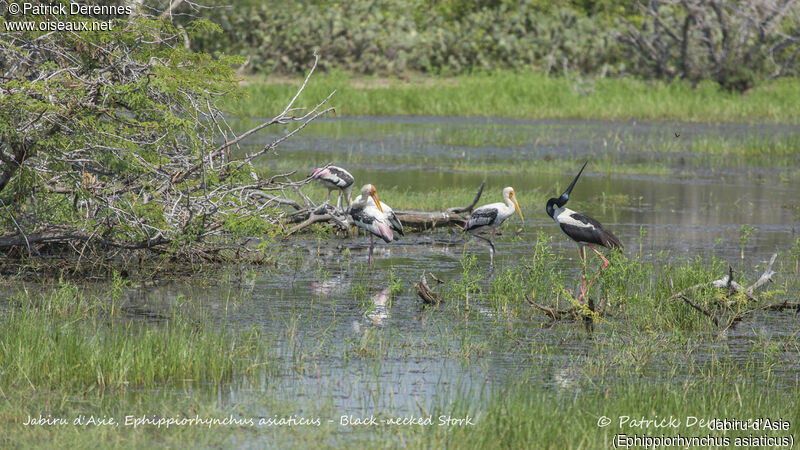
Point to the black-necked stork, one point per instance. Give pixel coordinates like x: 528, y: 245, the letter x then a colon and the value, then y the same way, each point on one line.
x: 333, y: 177
x: 492, y: 216
x: 582, y: 229
x: 370, y: 216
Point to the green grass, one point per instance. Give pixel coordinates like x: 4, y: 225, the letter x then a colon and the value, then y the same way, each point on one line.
x: 67, y: 351
x: 70, y: 339
x: 530, y: 96
x: 604, y: 163
x: 561, y: 415
x: 635, y: 290
x: 525, y: 416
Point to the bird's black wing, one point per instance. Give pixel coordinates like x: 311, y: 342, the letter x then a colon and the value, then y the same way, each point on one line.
x: 359, y: 215
x: 344, y: 177
x: 395, y: 223
x: 610, y: 240
x: 590, y: 231
x: 480, y: 218
x: 582, y: 234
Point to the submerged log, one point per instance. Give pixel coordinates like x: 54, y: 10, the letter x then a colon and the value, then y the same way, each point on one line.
x: 580, y: 310
x: 425, y: 292
x: 411, y: 219
x: 727, y: 282
x: 722, y: 309
x: 425, y: 220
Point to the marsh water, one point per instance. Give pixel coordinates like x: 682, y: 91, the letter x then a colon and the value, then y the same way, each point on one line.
x: 345, y: 343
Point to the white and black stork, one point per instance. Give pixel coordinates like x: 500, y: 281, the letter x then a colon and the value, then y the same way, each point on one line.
x: 584, y: 230
x: 492, y: 216
x: 333, y: 177
x: 388, y: 213
x: 369, y: 215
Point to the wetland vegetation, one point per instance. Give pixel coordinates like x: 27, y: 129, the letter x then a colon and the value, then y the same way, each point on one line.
x: 148, y: 279
x: 531, y: 96
x: 314, y: 333
x: 122, y: 351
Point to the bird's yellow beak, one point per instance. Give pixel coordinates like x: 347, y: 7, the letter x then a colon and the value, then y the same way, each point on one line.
x: 374, y: 196
x: 516, y: 205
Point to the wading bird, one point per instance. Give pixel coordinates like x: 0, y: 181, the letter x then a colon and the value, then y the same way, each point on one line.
x: 333, y: 177
x: 370, y: 216
x: 584, y: 230
x: 388, y: 213
x: 492, y: 216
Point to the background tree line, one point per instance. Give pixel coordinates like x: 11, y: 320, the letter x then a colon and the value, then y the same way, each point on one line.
x: 736, y: 42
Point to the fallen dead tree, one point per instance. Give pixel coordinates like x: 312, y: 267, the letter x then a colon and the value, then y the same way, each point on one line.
x: 305, y: 216
x: 425, y: 220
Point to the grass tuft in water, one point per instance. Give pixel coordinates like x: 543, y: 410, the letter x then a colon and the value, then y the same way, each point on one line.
x: 70, y: 339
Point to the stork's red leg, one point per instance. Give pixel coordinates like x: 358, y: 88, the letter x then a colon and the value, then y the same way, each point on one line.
x: 591, y: 282
x: 605, y: 261
x: 605, y: 264
x: 583, y: 286
x: 583, y: 273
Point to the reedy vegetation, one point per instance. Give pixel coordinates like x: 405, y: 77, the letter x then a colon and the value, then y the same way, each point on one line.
x: 72, y: 339
x: 71, y: 351
x: 533, y: 96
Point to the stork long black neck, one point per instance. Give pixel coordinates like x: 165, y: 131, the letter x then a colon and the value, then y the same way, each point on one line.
x: 561, y: 201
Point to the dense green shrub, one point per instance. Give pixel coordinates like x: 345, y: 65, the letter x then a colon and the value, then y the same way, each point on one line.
x: 735, y: 43
x: 368, y: 37
x: 591, y: 37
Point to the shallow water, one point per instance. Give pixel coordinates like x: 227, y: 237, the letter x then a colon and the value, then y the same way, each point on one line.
x: 328, y: 298
x: 340, y: 335
x: 697, y: 206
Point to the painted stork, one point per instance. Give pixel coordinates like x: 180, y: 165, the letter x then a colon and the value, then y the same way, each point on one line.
x: 333, y: 177
x: 388, y: 213
x: 371, y: 217
x: 492, y: 216
x: 584, y: 230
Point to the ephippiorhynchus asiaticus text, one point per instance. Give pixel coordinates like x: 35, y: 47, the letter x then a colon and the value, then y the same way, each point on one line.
x: 582, y: 229
x: 333, y: 177
x: 492, y: 216
x: 369, y: 215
